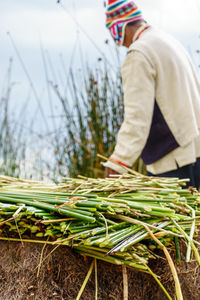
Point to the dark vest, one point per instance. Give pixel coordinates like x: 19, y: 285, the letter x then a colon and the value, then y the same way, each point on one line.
x: 160, y: 141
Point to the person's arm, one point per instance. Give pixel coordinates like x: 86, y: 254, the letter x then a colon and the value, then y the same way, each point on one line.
x: 139, y: 78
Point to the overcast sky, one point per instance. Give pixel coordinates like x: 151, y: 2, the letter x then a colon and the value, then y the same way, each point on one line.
x: 32, y: 23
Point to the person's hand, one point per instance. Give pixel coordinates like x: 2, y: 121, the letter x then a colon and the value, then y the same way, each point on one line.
x: 109, y: 172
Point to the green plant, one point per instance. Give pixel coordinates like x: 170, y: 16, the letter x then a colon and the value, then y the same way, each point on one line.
x: 12, y: 146
x: 91, y: 122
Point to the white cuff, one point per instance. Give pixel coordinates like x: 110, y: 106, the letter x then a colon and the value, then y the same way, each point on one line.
x: 115, y: 167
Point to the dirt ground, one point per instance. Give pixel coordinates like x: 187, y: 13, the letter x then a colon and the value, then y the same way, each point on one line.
x: 64, y: 271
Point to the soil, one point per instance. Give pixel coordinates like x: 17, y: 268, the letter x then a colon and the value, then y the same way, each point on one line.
x: 63, y: 272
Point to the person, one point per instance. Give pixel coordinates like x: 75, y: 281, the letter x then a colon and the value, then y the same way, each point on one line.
x: 161, y: 99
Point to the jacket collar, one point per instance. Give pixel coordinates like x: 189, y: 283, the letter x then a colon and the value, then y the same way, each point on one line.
x: 140, y: 31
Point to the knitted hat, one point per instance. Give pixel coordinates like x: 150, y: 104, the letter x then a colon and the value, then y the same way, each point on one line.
x: 118, y: 14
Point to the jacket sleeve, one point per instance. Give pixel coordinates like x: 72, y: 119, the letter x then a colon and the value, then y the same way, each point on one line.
x: 138, y: 77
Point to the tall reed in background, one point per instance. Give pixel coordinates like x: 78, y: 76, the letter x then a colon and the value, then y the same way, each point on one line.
x: 12, y: 145
x: 90, y: 115
x: 91, y: 122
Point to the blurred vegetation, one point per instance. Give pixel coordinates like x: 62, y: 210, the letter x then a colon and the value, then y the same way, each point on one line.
x: 90, y: 116
x: 92, y: 125
x: 12, y: 142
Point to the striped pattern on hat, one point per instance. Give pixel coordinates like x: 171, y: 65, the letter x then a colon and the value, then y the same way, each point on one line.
x: 118, y: 14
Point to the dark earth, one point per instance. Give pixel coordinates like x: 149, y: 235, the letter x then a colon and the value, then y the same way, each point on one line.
x: 63, y: 272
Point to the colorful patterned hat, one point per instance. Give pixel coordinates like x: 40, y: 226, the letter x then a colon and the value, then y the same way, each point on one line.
x: 118, y: 14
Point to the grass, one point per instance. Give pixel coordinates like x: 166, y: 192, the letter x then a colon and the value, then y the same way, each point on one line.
x: 91, y: 124
x: 12, y: 145
x: 91, y: 111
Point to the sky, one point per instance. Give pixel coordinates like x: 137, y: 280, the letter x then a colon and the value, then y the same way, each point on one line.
x: 32, y: 28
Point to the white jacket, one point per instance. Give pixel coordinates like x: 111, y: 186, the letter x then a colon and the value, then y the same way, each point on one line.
x: 158, y: 67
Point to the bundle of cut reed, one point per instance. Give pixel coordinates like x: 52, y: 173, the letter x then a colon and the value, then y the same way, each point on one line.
x: 120, y: 220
